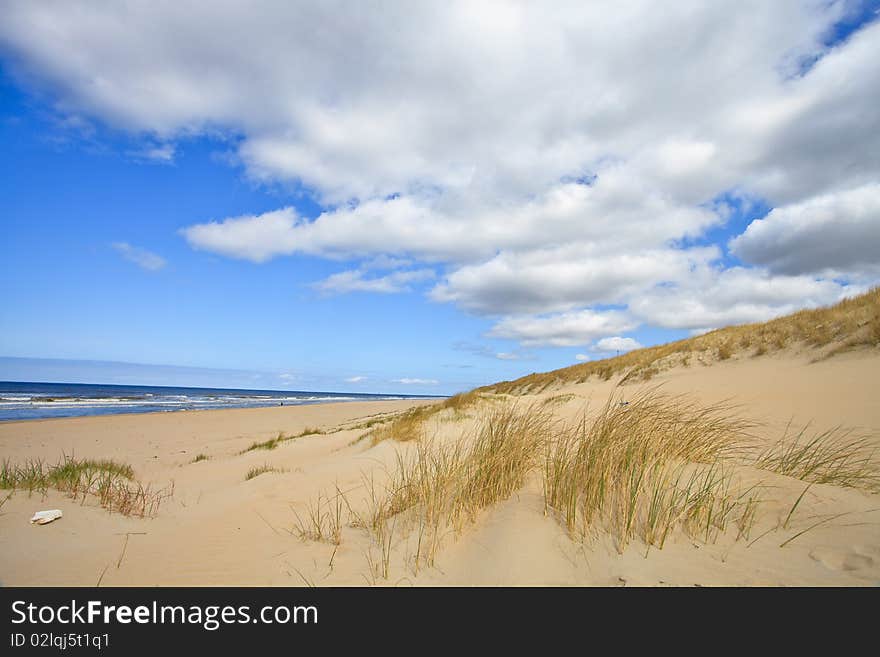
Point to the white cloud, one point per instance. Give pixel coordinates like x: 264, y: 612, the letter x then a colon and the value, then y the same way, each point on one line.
x: 582, y: 357
x: 411, y: 381
x: 617, y: 343
x: 832, y: 233
x: 357, y: 281
x: 564, y: 277
x: 715, y: 298
x: 162, y: 154
x: 141, y: 257
x: 542, y: 158
x: 564, y: 329
x: 252, y: 237
x: 286, y: 376
x: 355, y: 379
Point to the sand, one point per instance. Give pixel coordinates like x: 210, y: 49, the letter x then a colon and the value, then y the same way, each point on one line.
x: 219, y: 529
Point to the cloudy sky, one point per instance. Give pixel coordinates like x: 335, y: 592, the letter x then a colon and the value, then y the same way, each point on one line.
x: 426, y: 196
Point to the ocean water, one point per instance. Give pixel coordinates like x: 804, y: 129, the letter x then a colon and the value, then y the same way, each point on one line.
x: 30, y: 401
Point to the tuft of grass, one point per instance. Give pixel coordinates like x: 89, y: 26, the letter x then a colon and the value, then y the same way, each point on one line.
x: 323, y: 520
x: 644, y: 468
x: 200, y: 457
x: 260, y: 469
x: 404, y: 427
x: 833, y: 457
x: 461, y: 401
x: 558, y: 399
x: 111, y: 482
x: 272, y: 443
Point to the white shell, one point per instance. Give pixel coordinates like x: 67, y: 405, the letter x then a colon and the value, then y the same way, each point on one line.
x: 45, y: 517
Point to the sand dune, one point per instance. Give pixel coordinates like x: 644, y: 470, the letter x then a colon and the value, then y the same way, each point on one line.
x: 220, y: 529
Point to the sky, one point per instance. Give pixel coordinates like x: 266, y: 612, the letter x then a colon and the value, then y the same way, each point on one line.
x: 422, y: 197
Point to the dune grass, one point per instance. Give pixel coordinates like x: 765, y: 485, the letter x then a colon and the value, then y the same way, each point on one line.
x: 272, y: 443
x: 409, y: 425
x: 323, y: 519
x: 282, y: 437
x: 261, y: 469
x: 850, y: 324
x: 436, y: 488
x: 834, y: 456
x: 200, y: 457
x: 636, y: 470
x: 111, y: 482
x: 644, y: 468
x: 406, y: 426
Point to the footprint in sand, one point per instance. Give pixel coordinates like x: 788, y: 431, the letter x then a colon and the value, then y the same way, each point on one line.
x: 859, y: 562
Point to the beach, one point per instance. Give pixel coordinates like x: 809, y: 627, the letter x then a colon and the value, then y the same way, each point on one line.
x: 214, y: 526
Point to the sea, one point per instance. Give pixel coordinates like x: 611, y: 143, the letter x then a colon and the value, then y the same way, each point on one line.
x: 32, y: 401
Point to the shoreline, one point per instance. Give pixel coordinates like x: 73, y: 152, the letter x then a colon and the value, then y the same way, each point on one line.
x: 432, y: 398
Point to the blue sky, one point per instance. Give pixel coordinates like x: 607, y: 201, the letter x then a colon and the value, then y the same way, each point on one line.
x: 376, y: 214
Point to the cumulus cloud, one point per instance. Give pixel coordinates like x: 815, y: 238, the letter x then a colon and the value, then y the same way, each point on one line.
x: 617, y: 343
x: 252, y: 237
x: 412, y: 381
x: 141, y: 257
x: 543, y: 160
x: 831, y: 233
x: 582, y: 357
x: 563, y: 277
x: 562, y: 329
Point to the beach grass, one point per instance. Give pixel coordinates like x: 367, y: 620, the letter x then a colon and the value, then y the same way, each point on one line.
x: 644, y: 467
x: 258, y: 470
x: 835, y: 456
x: 111, y: 482
x: 641, y: 468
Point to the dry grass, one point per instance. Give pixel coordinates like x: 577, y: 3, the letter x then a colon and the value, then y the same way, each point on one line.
x: 409, y: 425
x: 833, y: 457
x: 111, y: 482
x: 323, y: 520
x: 645, y: 467
x: 460, y: 401
x: 850, y: 324
x: 406, y: 426
x: 272, y: 443
x: 641, y: 469
x: 200, y: 457
x: 437, y: 488
x: 261, y: 469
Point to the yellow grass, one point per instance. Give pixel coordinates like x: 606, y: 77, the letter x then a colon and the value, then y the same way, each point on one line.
x: 644, y: 467
x: 641, y: 469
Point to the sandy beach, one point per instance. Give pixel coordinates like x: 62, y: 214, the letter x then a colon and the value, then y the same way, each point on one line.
x: 217, y: 528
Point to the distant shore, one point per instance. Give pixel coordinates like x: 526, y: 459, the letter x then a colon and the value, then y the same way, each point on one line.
x: 21, y: 400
